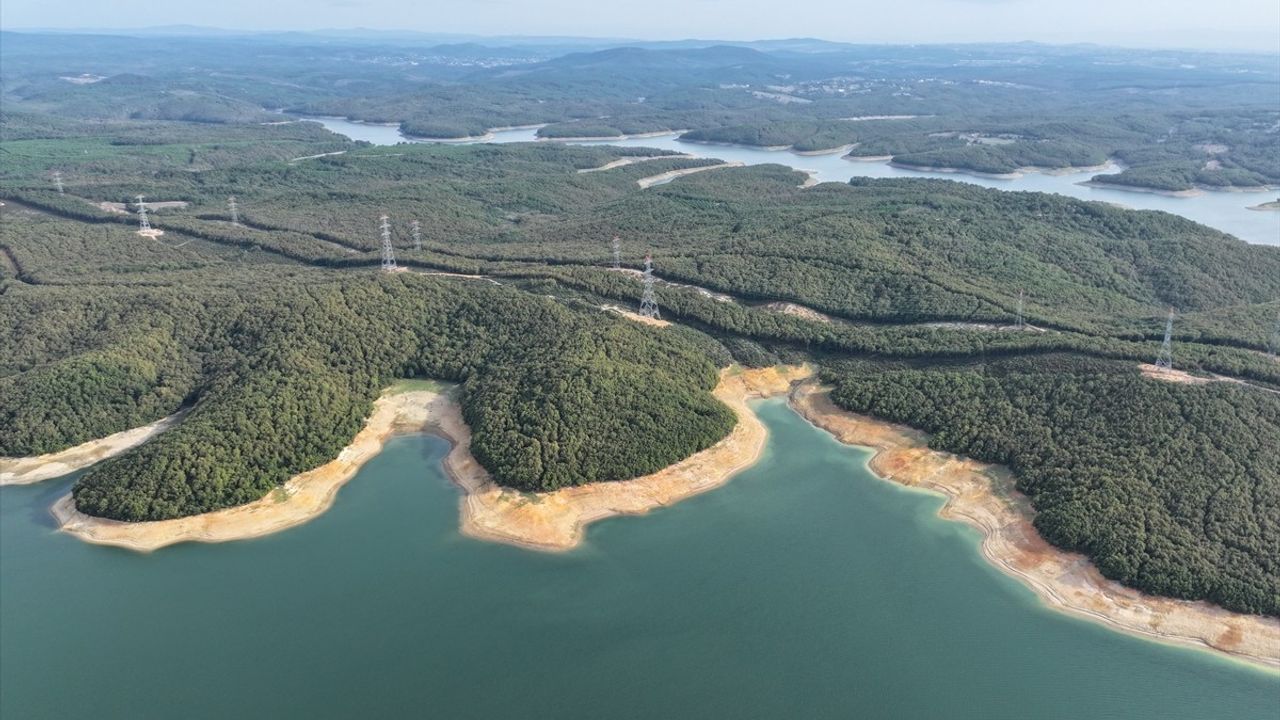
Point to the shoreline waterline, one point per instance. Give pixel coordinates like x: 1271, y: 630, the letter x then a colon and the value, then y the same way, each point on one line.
x: 557, y: 520
x: 803, y: 582
x: 300, y: 499
x: 34, y: 469
x: 545, y: 521
x: 1015, y: 174
x: 978, y: 494
x: 983, y: 496
x: 668, y: 176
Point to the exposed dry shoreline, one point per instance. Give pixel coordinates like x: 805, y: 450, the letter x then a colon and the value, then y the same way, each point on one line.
x: 558, y: 520
x: 546, y: 521
x: 984, y: 496
x: 839, y: 149
x: 721, y: 143
x: 977, y: 493
x: 488, y: 134
x: 661, y: 178
x: 1014, y: 175
x: 607, y: 138
x: 623, y: 162
x: 27, y: 470
x: 1193, y: 192
x: 300, y: 499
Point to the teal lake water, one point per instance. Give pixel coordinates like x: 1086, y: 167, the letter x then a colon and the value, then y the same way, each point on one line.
x: 1225, y: 211
x: 805, y: 588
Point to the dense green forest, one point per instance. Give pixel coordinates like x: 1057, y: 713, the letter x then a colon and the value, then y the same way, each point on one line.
x: 281, y: 377
x: 1174, y: 490
x: 277, y: 332
x: 882, y: 251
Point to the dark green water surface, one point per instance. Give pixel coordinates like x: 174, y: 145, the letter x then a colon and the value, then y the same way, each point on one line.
x: 805, y: 588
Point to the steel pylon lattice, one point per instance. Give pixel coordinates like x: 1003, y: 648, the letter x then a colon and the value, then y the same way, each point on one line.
x: 144, y: 223
x: 649, y: 300
x: 1164, y: 360
x: 388, y: 252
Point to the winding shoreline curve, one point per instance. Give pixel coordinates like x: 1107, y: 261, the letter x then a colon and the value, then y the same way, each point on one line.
x: 301, y: 498
x: 546, y: 521
x: 27, y: 470
x: 557, y: 521
x: 983, y: 496
x: 979, y: 494
x: 1014, y: 174
x: 668, y: 176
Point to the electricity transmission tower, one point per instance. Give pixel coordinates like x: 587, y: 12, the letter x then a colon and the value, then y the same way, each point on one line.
x: 57, y: 181
x: 235, y: 212
x: 617, y: 252
x: 388, y: 252
x: 417, y: 236
x: 1020, y: 324
x: 144, y: 224
x: 1164, y: 361
x: 649, y: 301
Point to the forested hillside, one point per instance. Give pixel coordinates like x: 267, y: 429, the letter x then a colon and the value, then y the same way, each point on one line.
x: 882, y: 251
x: 277, y: 331
x: 1171, y: 489
x: 281, y: 378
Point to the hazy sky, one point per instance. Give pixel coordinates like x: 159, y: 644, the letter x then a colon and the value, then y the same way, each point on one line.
x: 1217, y: 24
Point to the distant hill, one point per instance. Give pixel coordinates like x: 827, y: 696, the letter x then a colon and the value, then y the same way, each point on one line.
x: 710, y: 57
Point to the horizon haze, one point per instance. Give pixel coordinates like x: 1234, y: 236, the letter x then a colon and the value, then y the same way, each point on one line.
x: 1234, y: 25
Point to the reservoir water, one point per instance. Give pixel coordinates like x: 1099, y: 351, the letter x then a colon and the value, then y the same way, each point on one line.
x: 1226, y: 211
x: 805, y: 588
